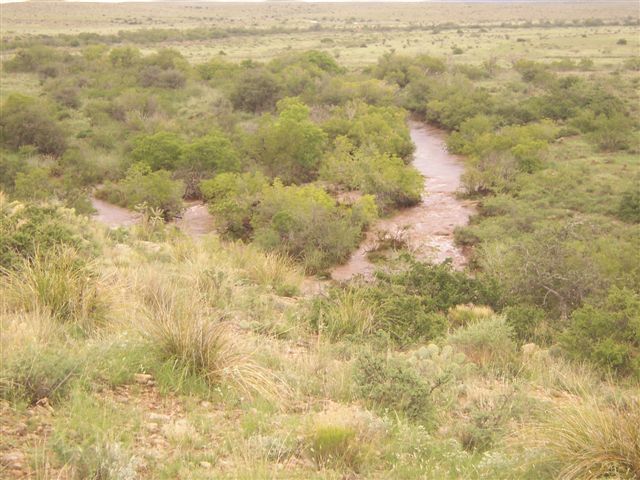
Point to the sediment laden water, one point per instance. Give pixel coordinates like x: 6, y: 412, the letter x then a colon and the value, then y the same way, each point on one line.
x: 427, y: 227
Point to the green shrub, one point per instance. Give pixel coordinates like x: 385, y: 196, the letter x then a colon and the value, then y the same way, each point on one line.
x: 256, y: 90
x: 204, y: 157
x: 305, y: 223
x: 290, y: 145
x: 381, y: 129
x: 357, y: 310
x: 528, y: 323
x: 26, y: 121
x: 386, y: 176
x: 27, y: 229
x: 161, y: 150
x: 607, y: 332
x: 629, y: 208
x: 231, y: 199
x: 392, y: 384
x: 611, y: 133
x: 141, y: 186
x: 34, y: 185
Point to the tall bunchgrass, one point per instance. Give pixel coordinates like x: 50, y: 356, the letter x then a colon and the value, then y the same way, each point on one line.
x: 349, y: 312
x: 486, y: 342
x: 36, y: 360
x: 266, y: 268
x: 59, y: 282
x: 197, y: 339
x: 590, y: 440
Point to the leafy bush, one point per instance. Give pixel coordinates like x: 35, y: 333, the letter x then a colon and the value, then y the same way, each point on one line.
x: 528, y: 323
x: 141, y: 186
x: 206, y: 156
x: 161, y: 150
x: 26, y: 121
x: 611, y: 133
x: 381, y: 129
x: 393, y: 384
x: 232, y: 198
x: 386, y: 176
x: 28, y: 229
x: 629, y: 208
x: 290, y: 145
x: 256, y: 90
x: 305, y: 223
x: 607, y: 332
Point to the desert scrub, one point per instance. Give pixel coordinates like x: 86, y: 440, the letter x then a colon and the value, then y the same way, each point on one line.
x: 25, y: 228
x: 382, y: 310
x: 391, y: 384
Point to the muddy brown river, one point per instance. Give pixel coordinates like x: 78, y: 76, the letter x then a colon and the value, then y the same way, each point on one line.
x: 195, y: 221
x: 427, y: 227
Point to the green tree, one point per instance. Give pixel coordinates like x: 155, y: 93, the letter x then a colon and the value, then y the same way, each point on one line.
x: 26, y: 121
x: 161, y: 150
x: 290, y: 145
x: 206, y: 156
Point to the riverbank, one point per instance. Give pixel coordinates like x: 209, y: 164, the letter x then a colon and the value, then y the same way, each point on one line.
x: 427, y: 228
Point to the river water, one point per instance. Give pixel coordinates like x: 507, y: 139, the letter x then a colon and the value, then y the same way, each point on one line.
x: 427, y: 227
x: 195, y: 220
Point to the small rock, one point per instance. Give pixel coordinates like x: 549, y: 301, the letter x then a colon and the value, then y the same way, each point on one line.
x: 205, y: 404
x: 206, y: 465
x: 528, y: 349
x: 143, y: 378
x: 152, y: 427
x: 159, y: 417
x: 12, y: 460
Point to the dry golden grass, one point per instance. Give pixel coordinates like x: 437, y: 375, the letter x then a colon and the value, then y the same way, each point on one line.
x: 178, y: 321
x: 590, y: 440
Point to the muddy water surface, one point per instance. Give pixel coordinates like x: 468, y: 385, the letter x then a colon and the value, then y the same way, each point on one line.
x: 427, y: 227
x: 195, y: 221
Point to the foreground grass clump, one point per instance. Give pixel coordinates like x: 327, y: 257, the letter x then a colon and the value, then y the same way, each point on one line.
x: 591, y: 440
x: 195, y: 340
x: 61, y: 283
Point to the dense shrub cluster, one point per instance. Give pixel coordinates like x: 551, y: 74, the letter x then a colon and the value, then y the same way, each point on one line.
x: 406, y: 307
x: 301, y: 221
